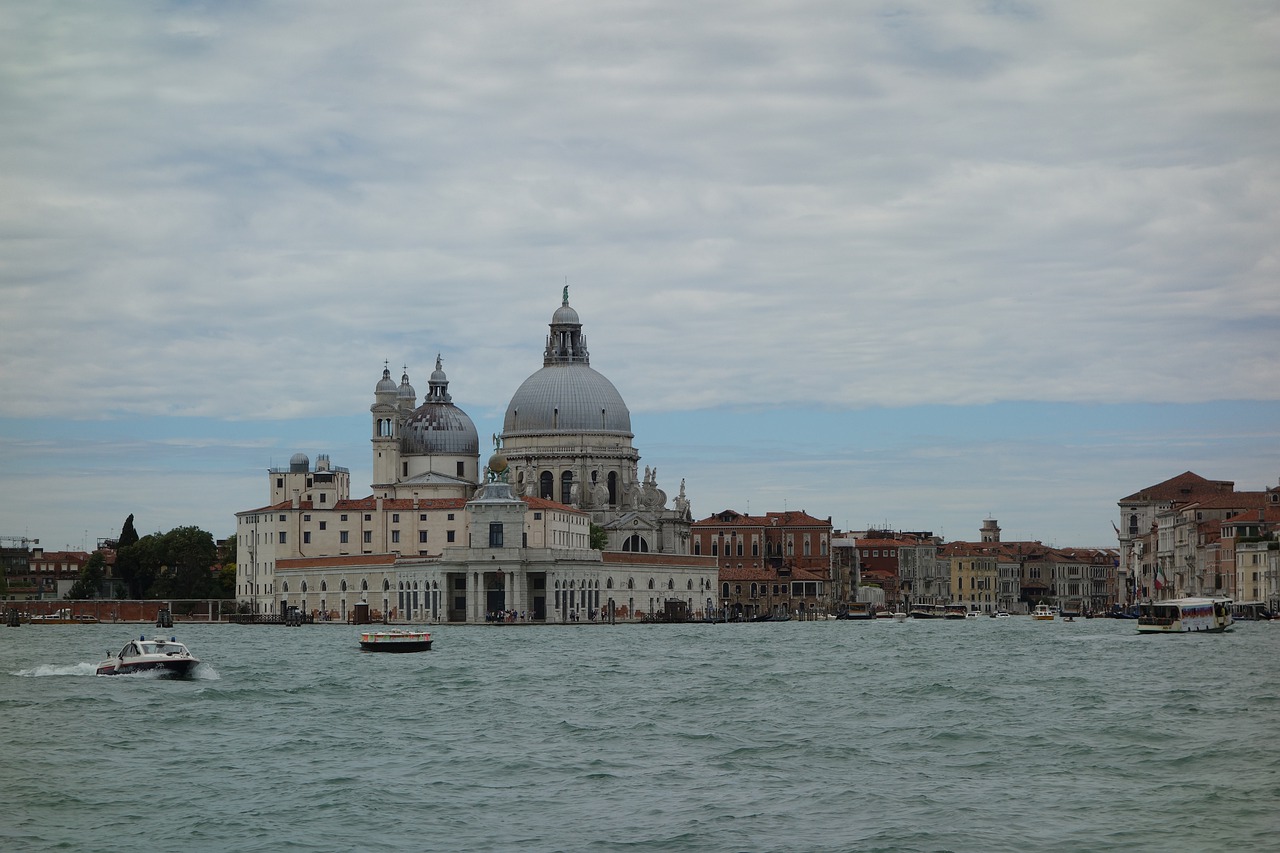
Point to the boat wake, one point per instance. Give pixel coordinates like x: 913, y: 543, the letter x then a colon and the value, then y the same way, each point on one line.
x: 45, y: 669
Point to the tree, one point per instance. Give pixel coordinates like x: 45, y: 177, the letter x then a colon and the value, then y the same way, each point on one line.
x: 91, y: 578
x: 128, y: 535
x: 599, y: 538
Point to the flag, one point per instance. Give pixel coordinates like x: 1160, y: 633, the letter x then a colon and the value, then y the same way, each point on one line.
x: 1159, y: 578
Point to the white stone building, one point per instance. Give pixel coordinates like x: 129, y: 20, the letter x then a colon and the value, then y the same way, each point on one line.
x: 435, y: 543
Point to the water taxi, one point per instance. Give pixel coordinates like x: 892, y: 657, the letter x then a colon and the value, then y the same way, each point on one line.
x: 165, y: 657
x: 1043, y: 612
x: 395, y: 641
x: 955, y: 611
x: 1185, y: 616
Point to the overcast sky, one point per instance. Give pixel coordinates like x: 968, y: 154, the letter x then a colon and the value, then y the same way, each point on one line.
x: 897, y: 263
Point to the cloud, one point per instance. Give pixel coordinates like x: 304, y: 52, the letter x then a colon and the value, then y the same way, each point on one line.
x: 240, y: 212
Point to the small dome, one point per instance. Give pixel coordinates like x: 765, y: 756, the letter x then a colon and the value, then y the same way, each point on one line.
x: 386, y: 385
x: 565, y: 316
x: 439, y: 428
x: 406, y: 392
x: 299, y: 462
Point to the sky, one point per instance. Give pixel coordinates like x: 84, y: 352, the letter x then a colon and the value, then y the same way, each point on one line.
x: 900, y: 264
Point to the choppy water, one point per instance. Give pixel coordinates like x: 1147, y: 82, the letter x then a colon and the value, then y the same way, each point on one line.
x: 986, y: 735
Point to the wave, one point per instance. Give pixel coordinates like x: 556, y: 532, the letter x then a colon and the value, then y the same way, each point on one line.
x: 47, y: 669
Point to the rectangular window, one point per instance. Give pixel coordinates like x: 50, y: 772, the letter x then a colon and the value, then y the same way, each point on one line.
x: 395, y: 537
x: 368, y: 537
x: 422, y: 517
x: 279, y: 482
x: 448, y: 535
x: 422, y: 536
x: 495, y: 534
x: 344, y: 537
x: 450, y: 517
x: 324, y: 525
x: 282, y: 536
x: 306, y: 537
x: 537, y: 516
x: 323, y: 497
x: 282, y: 517
x: 395, y: 518
x: 342, y: 517
x: 306, y: 516
x: 368, y: 517
x: 462, y: 471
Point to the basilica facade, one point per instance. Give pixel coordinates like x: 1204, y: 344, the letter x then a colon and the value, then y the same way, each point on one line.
x: 443, y: 539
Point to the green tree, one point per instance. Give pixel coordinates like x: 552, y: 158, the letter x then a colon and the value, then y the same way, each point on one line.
x: 599, y: 538
x: 91, y: 577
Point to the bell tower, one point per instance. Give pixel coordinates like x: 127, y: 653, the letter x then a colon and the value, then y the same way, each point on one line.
x: 386, y: 430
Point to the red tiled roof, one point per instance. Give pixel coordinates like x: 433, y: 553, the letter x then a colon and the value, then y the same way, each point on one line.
x: 1185, y: 486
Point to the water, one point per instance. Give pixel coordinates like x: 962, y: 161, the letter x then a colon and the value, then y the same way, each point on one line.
x: 981, y: 735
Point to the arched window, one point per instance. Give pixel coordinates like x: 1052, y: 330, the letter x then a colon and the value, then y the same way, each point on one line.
x: 284, y: 586
x: 386, y: 584
x: 364, y: 585
x: 566, y: 487
x: 547, y: 485
x: 635, y: 542
x: 344, y: 585
x: 324, y: 586
x: 613, y: 487
x: 724, y: 590
x: 631, y: 583
x: 651, y: 586
x: 671, y: 583
x: 690, y: 584
x: 304, y: 586
x: 609, y: 584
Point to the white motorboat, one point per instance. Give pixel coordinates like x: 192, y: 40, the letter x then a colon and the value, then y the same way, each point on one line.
x: 899, y: 616
x: 167, y: 657
x: 1043, y: 612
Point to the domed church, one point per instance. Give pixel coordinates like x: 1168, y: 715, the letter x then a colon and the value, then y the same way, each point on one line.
x: 441, y: 540
x: 567, y: 437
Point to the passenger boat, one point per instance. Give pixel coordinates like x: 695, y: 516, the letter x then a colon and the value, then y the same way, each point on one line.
x: 1185, y: 616
x: 1000, y: 614
x: 926, y: 611
x: 1043, y: 612
x: 395, y: 641
x: 955, y: 611
x: 167, y: 657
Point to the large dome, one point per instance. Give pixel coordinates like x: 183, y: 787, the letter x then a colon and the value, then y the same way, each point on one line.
x: 566, y: 398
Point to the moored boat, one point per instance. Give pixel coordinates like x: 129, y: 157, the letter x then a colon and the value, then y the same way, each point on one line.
x: 165, y: 657
x: 1185, y: 616
x: 395, y: 641
x: 857, y: 610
